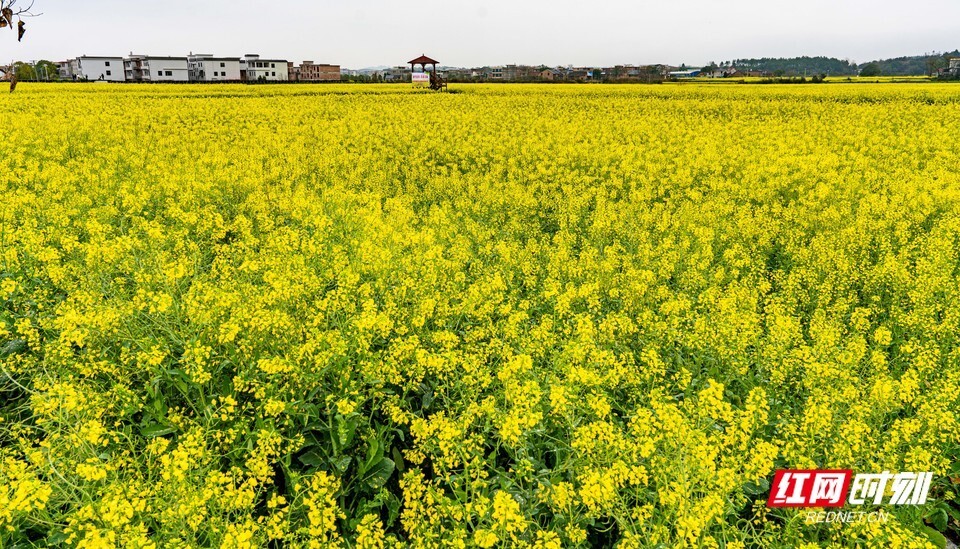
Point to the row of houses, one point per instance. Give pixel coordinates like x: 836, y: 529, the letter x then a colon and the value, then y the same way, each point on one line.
x: 197, y: 67
x: 542, y: 73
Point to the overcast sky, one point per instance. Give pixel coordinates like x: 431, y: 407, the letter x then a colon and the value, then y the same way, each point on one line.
x: 361, y: 33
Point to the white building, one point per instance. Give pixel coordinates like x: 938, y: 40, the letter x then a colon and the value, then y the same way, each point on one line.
x: 86, y: 67
x: 271, y: 70
x: 66, y: 70
x: 207, y: 68
x: 149, y: 68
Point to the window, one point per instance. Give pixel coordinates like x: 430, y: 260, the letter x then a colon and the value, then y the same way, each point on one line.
x: 108, y: 72
x: 106, y: 63
x: 159, y: 73
x: 222, y: 65
x: 273, y: 74
x: 169, y: 73
x: 273, y: 65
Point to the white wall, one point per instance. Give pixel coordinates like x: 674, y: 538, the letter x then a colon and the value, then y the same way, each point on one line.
x: 213, y: 72
x: 160, y: 67
x: 92, y: 68
x: 277, y: 72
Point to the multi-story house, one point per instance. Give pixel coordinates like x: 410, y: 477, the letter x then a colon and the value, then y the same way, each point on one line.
x: 318, y: 72
x: 87, y: 67
x: 253, y: 69
x: 953, y: 66
x: 66, y: 70
x: 151, y: 68
x: 207, y: 68
x: 396, y: 74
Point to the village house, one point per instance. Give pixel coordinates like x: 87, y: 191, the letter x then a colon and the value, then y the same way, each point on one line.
x: 953, y: 66
x: 580, y: 74
x: 691, y: 73
x: 253, y: 69
x: 87, y: 67
x: 396, y: 74
x: 457, y: 74
x: 720, y: 72
x: 551, y: 75
x: 207, y: 68
x: 308, y: 71
x: 748, y: 74
x: 152, y: 68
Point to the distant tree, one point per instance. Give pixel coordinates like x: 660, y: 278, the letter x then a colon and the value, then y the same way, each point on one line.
x: 935, y: 63
x: 797, y: 65
x: 47, y: 70
x: 870, y: 69
x: 24, y: 71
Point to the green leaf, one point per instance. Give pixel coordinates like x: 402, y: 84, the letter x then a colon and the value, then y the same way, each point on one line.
x: 57, y: 538
x: 935, y: 537
x: 14, y: 347
x: 393, y: 508
x: 346, y: 430
x: 374, y: 455
x: 313, y: 458
x: 938, y: 518
x: 343, y: 463
x: 951, y: 510
x: 757, y: 488
x: 398, y: 459
x: 426, y: 399
x: 157, y: 430
x: 379, y: 474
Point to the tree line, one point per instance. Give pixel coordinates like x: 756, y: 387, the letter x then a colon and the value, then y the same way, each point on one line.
x: 917, y: 65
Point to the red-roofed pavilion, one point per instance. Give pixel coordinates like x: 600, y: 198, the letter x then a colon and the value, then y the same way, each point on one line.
x: 436, y: 83
x: 423, y: 61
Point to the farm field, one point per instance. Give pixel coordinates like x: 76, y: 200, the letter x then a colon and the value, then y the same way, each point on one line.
x: 516, y: 315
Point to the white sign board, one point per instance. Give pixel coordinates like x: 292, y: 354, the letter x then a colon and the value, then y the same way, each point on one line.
x: 420, y: 79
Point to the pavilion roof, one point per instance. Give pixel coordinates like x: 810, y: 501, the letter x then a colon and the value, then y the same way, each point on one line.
x: 423, y: 59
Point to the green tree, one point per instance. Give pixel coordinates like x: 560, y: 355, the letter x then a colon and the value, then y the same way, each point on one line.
x: 935, y: 63
x: 870, y: 69
x: 24, y: 71
x: 47, y: 70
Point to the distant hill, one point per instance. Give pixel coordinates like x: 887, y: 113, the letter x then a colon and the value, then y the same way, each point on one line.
x: 916, y: 65
x: 797, y: 66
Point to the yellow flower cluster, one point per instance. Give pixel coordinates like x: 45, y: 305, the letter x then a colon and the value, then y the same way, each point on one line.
x: 515, y: 316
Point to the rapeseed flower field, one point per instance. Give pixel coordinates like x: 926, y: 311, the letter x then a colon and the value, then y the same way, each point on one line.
x: 514, y: 316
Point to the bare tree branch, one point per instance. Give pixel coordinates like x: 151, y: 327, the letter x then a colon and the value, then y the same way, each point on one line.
x: 9, y: 10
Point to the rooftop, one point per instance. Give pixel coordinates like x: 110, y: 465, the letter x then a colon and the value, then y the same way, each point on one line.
x: 423, y: 59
